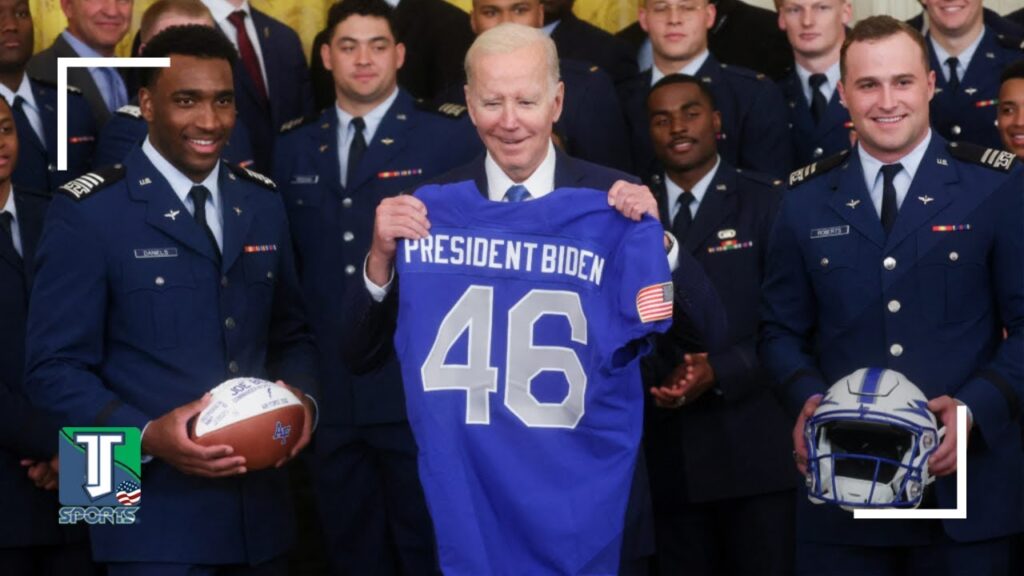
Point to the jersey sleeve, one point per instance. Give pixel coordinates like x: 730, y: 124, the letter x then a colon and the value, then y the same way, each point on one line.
x: 643, y: 288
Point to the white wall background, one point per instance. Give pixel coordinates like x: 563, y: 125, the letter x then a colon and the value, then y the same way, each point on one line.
x: 901, y: 9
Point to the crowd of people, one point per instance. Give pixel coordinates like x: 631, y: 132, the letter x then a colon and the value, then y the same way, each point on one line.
x: 833, y: 193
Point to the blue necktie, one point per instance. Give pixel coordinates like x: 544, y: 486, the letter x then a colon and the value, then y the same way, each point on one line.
x: 889, y: 206
x: 517, y: 193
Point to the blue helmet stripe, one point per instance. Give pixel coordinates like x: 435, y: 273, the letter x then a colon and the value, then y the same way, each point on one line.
x: 870, y: 387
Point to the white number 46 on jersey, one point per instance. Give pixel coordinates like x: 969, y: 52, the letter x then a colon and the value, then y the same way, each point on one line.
x: 523, y: 360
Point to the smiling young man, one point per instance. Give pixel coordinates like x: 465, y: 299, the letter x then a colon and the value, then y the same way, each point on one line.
x: 967, y: 56
x: 905, y: 253
x: 819, y: 124
x: 1010, y: 117
x: 374, y: 142
x: 703, y: 505
x: 118, y: 337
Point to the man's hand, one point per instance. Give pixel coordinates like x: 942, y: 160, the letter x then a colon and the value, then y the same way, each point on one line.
x: 632, y: 200
x: 397, y: 217
x: 943, y: 461
x: 43, y: 474
x: 688, y: 382
x: 307, y: 426
x: 799, y: 444
x: 167, y: 438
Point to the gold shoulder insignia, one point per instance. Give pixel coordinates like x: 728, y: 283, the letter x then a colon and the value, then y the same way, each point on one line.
x: 91, y: 182
x: 130, y: 110
x: 243, y: 172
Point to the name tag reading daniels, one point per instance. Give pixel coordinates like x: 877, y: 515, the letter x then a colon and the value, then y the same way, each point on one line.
x: 829, y: 232
x: 156, y: 252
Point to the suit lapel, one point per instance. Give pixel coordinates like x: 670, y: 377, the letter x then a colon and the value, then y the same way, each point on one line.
x: 854, y: 204
x: 567, y: 174
x: 81, y: 79
x: 928, y: 194
x: 237, y: 215
x: 164, y: 211
x: 719, y: 201
x: 388, y: 142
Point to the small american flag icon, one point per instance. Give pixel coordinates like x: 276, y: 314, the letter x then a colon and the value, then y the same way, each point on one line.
x: 128, y: 493
x: 654, y: 303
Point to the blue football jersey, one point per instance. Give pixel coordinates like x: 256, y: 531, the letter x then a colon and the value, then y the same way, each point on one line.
x: 519, y: 330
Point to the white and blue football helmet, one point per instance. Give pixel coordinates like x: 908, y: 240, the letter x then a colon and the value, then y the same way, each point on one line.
x: 869, y: 442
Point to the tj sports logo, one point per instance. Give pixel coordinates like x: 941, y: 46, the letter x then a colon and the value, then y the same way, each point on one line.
x: 101, y: 475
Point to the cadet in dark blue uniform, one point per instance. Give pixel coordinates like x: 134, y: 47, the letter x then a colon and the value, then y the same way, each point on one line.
x: 754, y: 133
x: 818, y: 122
x: 591, y: 126
x: 126, y: 129
x: 580, y: 40
x: 34, y: 104
x: 1011, y: 108
x: 272, y: 85
x: 31, y: 541
x: 967, y: 56
x: 906, y: 253
x: 372, y: 143
x: 722, y: 502
x: 157, y: 279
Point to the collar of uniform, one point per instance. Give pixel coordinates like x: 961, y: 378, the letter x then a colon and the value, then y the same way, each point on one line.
x: 964, y: 57
x: 692, y: 68
x: 540, y: 183
x: 10, y: 206
x: 674, y: 191
x: 549, y: 28
x: 80, y: 48
x: 373, y: 118
x: 831, y: 77
x: 221, y: 9
x: 872, y: 166
x: 181, y: 184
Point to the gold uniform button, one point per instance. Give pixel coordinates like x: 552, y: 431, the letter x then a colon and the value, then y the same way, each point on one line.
x: 894, y: 306
x: 233, y: 367
x: 896, y: 350
x: 889, y: 263
x: 953, y: 256
x: 159, y: 281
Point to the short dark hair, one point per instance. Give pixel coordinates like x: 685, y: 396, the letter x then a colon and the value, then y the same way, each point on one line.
x: 341, y: 11
x: 879, y: 28
x: 1012, y: 72
x: 685, y: 79
x: 190, y: 40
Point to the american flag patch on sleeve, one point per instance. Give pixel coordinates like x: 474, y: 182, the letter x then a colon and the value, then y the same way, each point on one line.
x: 654, y: 303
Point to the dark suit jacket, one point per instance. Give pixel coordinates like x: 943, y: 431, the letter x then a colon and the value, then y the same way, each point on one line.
x: 44, y: 66
x: 580, y: 40
x: 743, y: 35
x: 812, y: 142
x: 720, y: 456
x: 287, y: 81
x: 28, y: 515
x: 1016, y: 17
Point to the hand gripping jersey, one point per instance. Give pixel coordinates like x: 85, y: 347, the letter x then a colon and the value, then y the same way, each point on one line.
x: 519, y: 330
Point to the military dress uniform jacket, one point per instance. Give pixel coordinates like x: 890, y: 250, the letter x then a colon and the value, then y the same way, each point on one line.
x: 37, y: 159
x: 127, y: 129
x: 968, y: 113
x: 332, y: 226
x: 28, y: 515
x: 287, y: 81
x: 133, y: 315
x: 754, y: 134
x: 812, y: 142
x: 591, y: 127
x: 722, y: 459
x: 930, y: 301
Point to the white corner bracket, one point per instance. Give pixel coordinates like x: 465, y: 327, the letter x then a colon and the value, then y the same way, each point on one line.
x: 62, y: 90
x: 958, y: 513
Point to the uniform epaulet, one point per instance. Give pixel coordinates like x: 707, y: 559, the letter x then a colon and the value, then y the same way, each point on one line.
x: 295, y: 123
x: 449, y: 109
x: 594, y: 68
x: 130, y: 110
x: 91, y: 182
x: 51, y: 84
x: 988, y: 157
x: 741, y: 71
x: 243, y: 172
x: 761, y: 178
x: 820, y: 167
x: 1012, y: 42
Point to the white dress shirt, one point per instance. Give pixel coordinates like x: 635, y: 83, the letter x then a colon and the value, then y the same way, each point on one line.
x: 699, y: 190
x: 963, y: 58
x: 182, y: 185
x: 9, y: 206
x: 221, y: 9
x: 346, y: 132
x: 827, y: 89
x: 692, y: 68
x: 873, y: 180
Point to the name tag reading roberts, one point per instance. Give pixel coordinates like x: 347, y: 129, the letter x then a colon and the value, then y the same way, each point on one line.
x: 156, y: 252
x: 829, y: 232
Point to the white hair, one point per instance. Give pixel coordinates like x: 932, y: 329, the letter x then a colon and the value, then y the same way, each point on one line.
x: 508, y: 38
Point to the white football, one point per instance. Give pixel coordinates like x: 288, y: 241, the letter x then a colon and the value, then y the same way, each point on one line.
x: 258, y: 418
